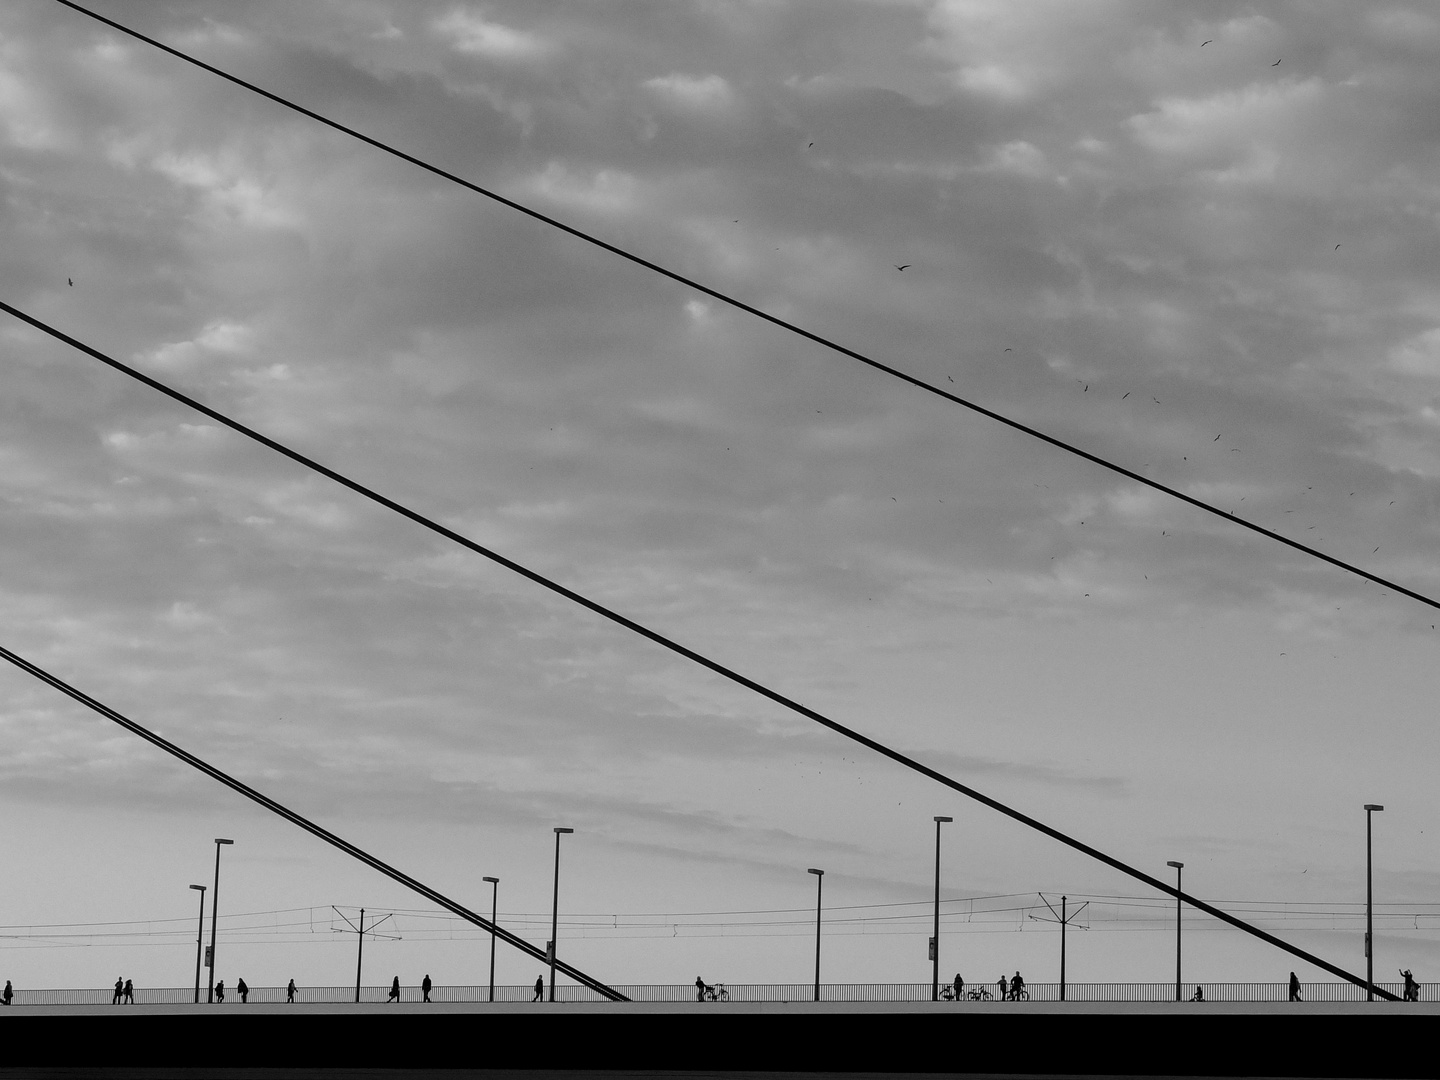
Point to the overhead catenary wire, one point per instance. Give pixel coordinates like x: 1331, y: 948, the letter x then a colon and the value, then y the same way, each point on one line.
x: 759, y: 313
x: 620, y: 620
x: 305, y: 823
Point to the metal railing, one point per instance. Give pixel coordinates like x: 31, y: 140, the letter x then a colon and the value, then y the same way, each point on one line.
x: 748, y: 992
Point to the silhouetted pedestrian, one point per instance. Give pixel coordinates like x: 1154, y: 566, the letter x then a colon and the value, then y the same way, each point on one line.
x: 119, y: 990
x: 959, y: 986
x: 220, y: 992
x: 1004, y: 988
x: 9, y: 992
x: 129, y: 992
x: 539, y: 988
x: 290, y: 993
x: 1199, y: 994
x: 425, y: 985
x: 395, y: 990
x: 242, y: 990
x: 1294, y: 987
x: 1412, y: 988
x: 1017, y: 987
x: 699, y: 988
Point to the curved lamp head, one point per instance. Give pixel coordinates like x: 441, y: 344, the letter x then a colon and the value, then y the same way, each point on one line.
x: 1373, y: 806
x: 558, y: 831
x: 938, y: 819
x: 817, y: 873
x: 218, y: 840
x: 1176, y: 865
x: 200, y: 887
x: 492, y: 880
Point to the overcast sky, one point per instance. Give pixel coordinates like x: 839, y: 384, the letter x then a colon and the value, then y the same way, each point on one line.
x: 1199, y: 239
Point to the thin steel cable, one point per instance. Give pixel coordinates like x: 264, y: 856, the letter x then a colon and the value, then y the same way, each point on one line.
x: 659, y: 639
x: 1035, y: 433
x: 304, y: 823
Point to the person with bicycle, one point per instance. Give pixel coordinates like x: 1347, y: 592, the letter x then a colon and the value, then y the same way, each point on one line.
x: 1412, y: 988
x: 1017, y: 987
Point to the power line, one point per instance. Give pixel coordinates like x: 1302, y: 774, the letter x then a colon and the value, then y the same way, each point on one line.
x: 304, y: 823
x: 613, y: 616
x: 894, y: 372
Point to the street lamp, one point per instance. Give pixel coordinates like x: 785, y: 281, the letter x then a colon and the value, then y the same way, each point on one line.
x: 214, y: 906
x: 819, y: 887
x: 935, y: 941
x: 1179, y: 866
x: 199, y: 940
x: 494, y: 917
x: 555, y: 910
x: 1369, y: 910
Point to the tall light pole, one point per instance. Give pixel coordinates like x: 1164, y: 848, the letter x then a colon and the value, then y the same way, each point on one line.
x: 1370, y: 808
x: 819, y: 887
x: 214, y: 907
x: 935, y: 941
x: 555, y: 910
x: 199, y: 940
x: 1179, y: 866
x: 494, y: 919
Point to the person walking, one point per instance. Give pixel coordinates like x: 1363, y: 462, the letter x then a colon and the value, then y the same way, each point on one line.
x: 9, y: 992
x: 242, y: 990
x: 395, y: 990
x: 119, y: 991
x: 425, y: 985
x: 290, y: 993
x: 220, y: 992
x: 1294, y: 987
x: 129, y: 992
x: 539, y: 989
x: 959, y: 986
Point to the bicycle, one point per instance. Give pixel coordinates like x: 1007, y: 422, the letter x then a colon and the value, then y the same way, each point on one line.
x: 717, y: 993
x: 1020, y: 995
x: 979, y: 993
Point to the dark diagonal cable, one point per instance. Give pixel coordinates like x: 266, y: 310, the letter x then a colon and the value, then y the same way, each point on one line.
x: 894, y: 372
x: 676, y: 647
x: 304, y: 823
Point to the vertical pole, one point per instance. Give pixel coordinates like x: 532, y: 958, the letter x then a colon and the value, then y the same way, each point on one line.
x: 199, y: 940
x: 935, y: 947
x: 1369, y: 917
x: 1178, y: 872
x: 819, y: 894
x: 1063, y: 921
x: 555, y: 912
x: 214, y: 907
x: 1179, y: 868
x: 494, y: 922
x: 359, y: 954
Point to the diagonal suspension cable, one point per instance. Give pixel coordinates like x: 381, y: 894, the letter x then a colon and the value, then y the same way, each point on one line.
x: 724, y: 298
x: 676, y: 647
x: 304, y: 823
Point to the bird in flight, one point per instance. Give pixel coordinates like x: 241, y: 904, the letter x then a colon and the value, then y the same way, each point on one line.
x: 951, y: 378
x: 1275, y: 64
x: 1337, y: 247
x: 1216, y: 439
x: 71, y: 281
x: 1204, y: 43
x: 1127, y: 394
x: 1009, y: 350
x: 905, y: 267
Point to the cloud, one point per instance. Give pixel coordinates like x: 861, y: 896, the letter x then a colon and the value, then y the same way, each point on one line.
x: 698, y: 93
x: 470, y: 33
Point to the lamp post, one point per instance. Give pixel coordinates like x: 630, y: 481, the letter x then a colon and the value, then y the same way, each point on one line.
x: 1179, y: 866
x: 935, y: 941
x: 555, y: 910
x: 819, y: 887
x: 494, y: 918
x: 214, y: 907
x: 1370, y: 808
x: 199, y: 940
